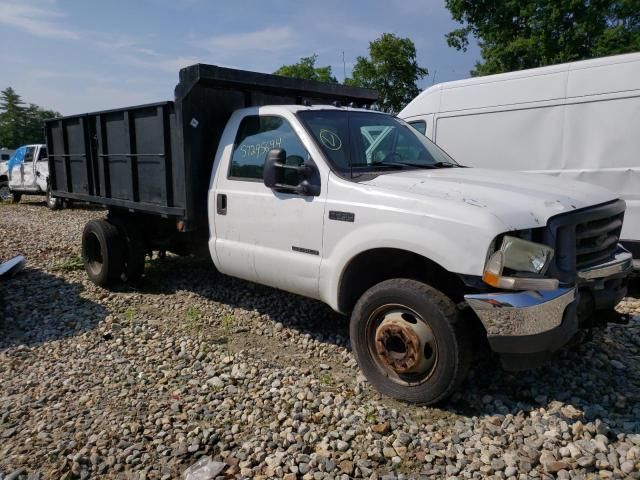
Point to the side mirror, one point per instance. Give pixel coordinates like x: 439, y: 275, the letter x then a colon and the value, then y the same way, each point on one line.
x: 275, y: 174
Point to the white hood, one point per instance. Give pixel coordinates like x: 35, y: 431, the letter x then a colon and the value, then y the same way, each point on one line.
x: 518, y: 200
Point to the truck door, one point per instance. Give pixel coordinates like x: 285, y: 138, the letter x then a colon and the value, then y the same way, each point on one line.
x: 23, y: 176
x: 262, y: 235
x: 41, y: 170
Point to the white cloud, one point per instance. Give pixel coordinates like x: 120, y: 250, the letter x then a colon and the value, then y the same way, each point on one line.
x: 270, y: 39
x: 34, y: 20
x: 120, y: 41
x: 172, y: 65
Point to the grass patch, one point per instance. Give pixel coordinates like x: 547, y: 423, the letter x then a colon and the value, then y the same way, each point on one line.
x: 228, y: 322
x: 71, y: 264
x: 370, y: 414
x: 129, y: 316
x: 326, y: 379
x: 194, y: 317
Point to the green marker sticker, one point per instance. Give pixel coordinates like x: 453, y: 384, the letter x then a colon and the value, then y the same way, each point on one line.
x: 330, y: 140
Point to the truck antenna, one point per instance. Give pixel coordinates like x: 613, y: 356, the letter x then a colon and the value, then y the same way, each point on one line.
x: 344, y: 68
x: 349, y: 150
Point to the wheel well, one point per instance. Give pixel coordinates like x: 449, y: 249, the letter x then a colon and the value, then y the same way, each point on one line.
x: 4, y: 178
x: 374, y: 266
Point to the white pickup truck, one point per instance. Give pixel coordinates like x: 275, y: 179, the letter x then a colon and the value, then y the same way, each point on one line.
x: 351, y: 207
x: 30, y: 176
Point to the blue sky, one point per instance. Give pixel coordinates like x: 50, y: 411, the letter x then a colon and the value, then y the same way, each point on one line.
x: 76, y: 56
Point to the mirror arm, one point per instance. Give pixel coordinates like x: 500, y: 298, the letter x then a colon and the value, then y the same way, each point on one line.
x: 302, y: 169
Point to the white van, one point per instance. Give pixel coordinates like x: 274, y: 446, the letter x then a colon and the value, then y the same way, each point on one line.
x: 579, y: 121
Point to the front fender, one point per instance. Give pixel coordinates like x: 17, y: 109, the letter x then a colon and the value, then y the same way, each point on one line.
x: 460, y: 250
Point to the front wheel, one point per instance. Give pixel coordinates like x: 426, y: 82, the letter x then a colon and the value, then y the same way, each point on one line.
x: 409, y: 341
x: 15, y: 197
x: 5, y: 193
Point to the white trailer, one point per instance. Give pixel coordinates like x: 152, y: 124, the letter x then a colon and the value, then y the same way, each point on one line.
x: 578, y: 121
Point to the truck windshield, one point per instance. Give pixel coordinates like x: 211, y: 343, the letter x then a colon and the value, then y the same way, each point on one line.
x: 365, y: 141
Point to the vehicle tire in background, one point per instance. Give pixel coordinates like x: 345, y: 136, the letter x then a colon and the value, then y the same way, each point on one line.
x: 134, y: 250
x: 410, y: 341
x: 53, y: 203
x: 15, y: 197
x: 5, y: 193
x: 102, y: 252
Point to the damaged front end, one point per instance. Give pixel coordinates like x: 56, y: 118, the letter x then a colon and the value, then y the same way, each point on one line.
x: 579, y: 288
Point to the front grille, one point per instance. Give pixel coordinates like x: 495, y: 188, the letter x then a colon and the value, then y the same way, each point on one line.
x: 584, y: 238
x: 597, y: 241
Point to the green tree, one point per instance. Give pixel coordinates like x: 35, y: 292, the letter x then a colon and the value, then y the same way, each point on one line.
x: 517, y: 34
x: 20, y: 123
x: 12, y: 118
x: 306, y: 68
x: 391, y: 69
x: 33, y: 131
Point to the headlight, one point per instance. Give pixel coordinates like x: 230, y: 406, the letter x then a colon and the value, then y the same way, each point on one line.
x: 520, y: 256
x: 525, y: 256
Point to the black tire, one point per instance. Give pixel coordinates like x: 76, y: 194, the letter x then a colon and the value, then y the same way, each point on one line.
x: 16, y: 197
x: 5, y: 193
x: 102, y: 252
x: 450, y: 341
x: 53, y: 203
x: 134, y: 251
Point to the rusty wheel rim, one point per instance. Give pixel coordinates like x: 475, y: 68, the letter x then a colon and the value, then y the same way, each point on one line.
x: 402, y: 345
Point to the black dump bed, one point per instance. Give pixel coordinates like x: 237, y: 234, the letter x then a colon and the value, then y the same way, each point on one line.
x: 157, y: 158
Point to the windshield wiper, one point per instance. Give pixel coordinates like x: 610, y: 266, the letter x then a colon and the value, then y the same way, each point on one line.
x: 403, y: 164
x: 420, y: 165
x: 445, y: 165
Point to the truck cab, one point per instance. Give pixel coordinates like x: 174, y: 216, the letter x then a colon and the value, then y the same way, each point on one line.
x: 28, y: 174
x: 354, y: 208
x: 333, y: 203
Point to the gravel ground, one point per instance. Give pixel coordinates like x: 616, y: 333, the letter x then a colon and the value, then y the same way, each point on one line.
x: 142, y: 383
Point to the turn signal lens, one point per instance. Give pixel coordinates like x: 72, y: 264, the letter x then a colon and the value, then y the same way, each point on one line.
x: 493, y: 269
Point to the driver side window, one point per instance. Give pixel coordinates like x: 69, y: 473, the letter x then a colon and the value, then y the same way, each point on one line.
x: 256, y: 136
x: 42, y: 156
x: 28, y: 156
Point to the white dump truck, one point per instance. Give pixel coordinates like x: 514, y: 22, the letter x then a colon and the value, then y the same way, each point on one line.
x: 292, y: 184
x: 27, y: 173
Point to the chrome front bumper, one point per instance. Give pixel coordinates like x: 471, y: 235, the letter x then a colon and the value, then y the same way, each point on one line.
x: 535, y: 321
x: 622, y: 263
x: 521, y: 313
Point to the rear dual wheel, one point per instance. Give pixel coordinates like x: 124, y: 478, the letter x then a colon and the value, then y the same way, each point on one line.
x: 53, y: 203
x: 409, y: 341
x: 134, y: 251
x: 112, y: 252
x: 102, y: 252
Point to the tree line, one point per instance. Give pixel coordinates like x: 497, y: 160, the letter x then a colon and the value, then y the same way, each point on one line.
x: 21, y: 123
x: 512, y: 35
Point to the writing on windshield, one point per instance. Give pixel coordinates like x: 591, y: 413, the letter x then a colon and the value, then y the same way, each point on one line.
x: 368, y: 140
